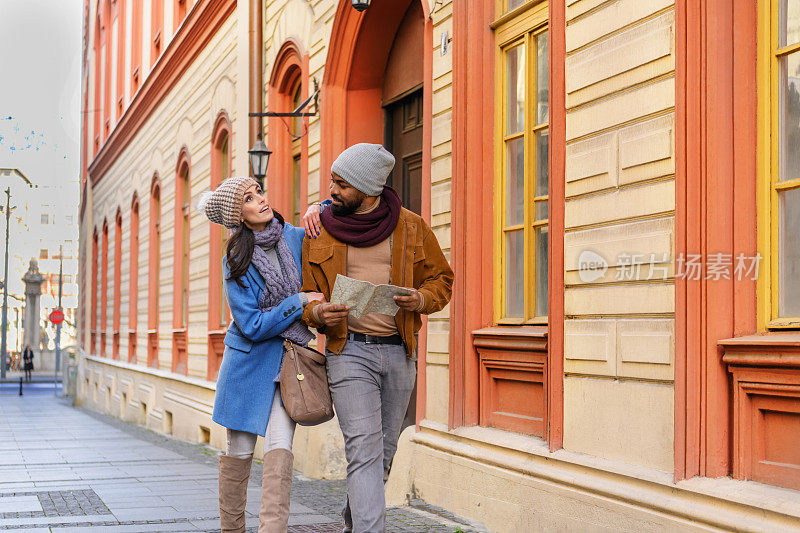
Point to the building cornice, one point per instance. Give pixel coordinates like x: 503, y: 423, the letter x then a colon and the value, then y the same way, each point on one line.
x: 197, y: 30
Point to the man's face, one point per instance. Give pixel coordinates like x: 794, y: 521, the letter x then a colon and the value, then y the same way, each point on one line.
x: 346, y: 198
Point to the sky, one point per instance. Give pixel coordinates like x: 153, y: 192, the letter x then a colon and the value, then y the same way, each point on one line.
x: 40, y: 69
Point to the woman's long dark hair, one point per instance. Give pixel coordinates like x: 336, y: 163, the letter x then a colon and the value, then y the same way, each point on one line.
x: 239, y: 251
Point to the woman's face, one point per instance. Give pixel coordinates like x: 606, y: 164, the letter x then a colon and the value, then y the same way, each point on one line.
x: 256, y: 212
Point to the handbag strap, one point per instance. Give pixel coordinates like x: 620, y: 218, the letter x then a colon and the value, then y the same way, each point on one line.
x: 308, y: 352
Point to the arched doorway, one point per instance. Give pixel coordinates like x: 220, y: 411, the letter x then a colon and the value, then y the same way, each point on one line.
x: 379, y: 90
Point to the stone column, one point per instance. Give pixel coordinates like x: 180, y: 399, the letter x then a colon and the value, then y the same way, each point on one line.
x: 33, y: 291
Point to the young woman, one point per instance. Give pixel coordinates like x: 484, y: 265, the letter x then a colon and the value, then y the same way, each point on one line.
x: 261, y: 272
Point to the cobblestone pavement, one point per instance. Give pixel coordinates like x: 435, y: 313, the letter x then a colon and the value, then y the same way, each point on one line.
x: 64, y: 469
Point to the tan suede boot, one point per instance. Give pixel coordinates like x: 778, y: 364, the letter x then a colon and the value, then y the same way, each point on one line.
x: 276, y: 487
x: 233, y: 476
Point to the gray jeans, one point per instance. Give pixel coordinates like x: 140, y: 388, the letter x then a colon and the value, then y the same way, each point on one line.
x: 370, y: 385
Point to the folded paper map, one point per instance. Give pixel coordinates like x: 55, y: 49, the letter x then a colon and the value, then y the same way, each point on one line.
x: 364, y: 297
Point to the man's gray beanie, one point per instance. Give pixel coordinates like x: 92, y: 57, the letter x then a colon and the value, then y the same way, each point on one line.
x: 365, y: 166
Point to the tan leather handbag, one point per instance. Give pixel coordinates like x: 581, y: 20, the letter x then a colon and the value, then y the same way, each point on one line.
x: 304, y: 385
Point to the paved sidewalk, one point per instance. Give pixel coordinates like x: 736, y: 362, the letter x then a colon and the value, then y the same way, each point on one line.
x: 64, y: 469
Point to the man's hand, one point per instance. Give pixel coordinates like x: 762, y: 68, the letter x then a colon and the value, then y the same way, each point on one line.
x: 331, y: 314
x: 412, y: 302
x: 311, y: 221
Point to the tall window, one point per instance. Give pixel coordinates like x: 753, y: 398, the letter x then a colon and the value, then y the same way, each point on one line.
x: 783, y: 156
x: 522, y: 153
x: 224, y: 314
x: 156, y: 29
x: 104, y: 291
x: 120, y: 57
x: 117, y: 283
x: 180, y: 302
x: 154, y: 272
x: 181, y: 265
x: 136, y: 45
x: 107, y: 55
x: 93, y: 320
x: 82, y: 322
x: 133, y: 281
x: 287, y: 182
x: 98, y: 84
x: 218, y: 313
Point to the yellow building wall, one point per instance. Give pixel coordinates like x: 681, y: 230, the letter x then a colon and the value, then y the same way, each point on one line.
x: 212, y: 84
x: 620, y: 205
x: 184, y: 119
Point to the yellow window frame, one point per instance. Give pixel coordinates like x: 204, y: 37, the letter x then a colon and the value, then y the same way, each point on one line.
x: 768, y: 149
x: 522, y: 25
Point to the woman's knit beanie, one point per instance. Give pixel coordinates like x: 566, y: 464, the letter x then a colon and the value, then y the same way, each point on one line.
x: 224, y: 205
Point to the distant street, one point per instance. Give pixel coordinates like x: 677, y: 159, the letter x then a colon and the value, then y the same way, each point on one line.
x: 64, y: 469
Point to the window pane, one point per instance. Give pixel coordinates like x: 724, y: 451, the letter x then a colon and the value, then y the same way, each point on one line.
x: 541, y: 210
x: 223, y: 303
x: 542, y: 79
x: 541, y: 236
x: 297, y: 122
x: 790, y: 117
x: 789, y: 262
x: 790, y: 22
x: 542, y: 163
x: 185, y: 258
x: 514, y: 272
x: 514, y: 4
x: 224, y: 160
x: 515, y: 80
x: 296, y: 199
x: 515, y: 182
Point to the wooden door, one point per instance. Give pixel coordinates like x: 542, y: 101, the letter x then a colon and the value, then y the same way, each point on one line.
x: 404, y: 140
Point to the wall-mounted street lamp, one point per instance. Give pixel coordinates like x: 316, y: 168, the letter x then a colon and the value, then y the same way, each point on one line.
x: 259, y: 153
x: 362, y: 5
x: 259, y: 158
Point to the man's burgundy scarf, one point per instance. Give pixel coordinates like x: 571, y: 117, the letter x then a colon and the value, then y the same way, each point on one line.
x: 366, y: 229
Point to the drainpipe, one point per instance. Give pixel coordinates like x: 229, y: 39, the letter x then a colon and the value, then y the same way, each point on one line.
x: 256, y: 77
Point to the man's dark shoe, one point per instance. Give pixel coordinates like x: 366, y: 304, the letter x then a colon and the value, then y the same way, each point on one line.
x: 347, y: 517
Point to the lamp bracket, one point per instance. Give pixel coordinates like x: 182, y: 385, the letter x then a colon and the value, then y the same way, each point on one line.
x: 299, y: 111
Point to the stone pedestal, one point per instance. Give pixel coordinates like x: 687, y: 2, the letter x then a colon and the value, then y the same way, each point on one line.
x: 33, y: 291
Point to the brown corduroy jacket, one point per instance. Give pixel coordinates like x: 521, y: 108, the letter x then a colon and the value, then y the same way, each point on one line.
x: 417, y: 262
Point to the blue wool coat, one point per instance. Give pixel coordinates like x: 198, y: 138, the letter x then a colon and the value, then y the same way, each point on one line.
x: 253, y: 349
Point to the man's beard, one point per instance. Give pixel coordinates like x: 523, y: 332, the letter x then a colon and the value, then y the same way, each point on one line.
x: 344, y: 209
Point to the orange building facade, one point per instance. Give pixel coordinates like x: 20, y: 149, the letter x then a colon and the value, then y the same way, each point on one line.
x: 614, y: 184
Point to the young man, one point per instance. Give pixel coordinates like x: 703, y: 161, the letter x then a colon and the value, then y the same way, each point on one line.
x: 367, y: 235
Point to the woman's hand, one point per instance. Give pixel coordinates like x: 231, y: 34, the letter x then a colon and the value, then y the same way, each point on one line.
x: 311, y: 221
x: 315, y: 297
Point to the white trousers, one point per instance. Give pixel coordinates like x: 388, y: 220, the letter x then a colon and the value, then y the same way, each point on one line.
x: 280, y: 432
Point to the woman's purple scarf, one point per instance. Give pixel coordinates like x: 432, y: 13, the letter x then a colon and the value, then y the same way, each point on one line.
x: 279, y: 283
x: 365, y: 229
